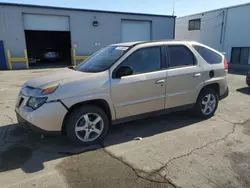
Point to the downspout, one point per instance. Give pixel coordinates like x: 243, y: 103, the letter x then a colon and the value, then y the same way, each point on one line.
x: 174, y: 27
x: 224, y: 25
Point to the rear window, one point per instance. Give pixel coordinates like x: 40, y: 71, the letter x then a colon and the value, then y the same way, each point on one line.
x: 208, y: 55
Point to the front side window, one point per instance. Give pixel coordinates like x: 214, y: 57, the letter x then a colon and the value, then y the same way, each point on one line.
x: 208, y: 55
x: 180, y: 56
x: 144, y: 60
x: 103, y: 59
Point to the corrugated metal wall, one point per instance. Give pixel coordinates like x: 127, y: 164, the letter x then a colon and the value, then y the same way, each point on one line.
x: 237, y: 29
x: 82, y: 31
x: 11, y: 30
x: 234, y: 33
x: 211, y: 29
x: 181, y: 29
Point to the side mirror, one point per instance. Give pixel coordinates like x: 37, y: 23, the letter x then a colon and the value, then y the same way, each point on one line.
x: 123, y: 71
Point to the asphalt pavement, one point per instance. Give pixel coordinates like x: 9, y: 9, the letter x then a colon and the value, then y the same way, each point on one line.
x: 176, y: 150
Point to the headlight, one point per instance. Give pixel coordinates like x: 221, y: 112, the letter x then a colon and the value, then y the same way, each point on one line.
x: 50, y: 89
x: 36, y: 102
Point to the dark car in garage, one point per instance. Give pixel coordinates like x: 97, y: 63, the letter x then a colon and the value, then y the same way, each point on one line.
x: 51, y: 54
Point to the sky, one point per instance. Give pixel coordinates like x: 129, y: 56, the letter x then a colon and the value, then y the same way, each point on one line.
x: 165, y: 7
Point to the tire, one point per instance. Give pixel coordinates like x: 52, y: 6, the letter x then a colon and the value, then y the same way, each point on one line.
x: 200, y: 106
x: 81, y: 123
x: 248, y: 80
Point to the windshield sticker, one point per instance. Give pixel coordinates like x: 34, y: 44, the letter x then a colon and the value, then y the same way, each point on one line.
x: 123, y: 48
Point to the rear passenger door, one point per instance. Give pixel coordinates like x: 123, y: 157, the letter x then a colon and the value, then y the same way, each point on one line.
x: 184, y: 76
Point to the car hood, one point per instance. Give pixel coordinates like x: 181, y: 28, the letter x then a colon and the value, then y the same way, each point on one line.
x: 59, y: 77
x: 72, y: 83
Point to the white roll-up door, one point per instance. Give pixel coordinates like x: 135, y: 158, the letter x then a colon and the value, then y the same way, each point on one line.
x: 135, y: 30
x: 46, y: 22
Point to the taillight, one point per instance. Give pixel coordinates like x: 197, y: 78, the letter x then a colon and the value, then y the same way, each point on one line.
x: 225, y: 63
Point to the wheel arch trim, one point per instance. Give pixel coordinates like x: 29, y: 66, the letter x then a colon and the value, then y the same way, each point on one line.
x: 100, y: 102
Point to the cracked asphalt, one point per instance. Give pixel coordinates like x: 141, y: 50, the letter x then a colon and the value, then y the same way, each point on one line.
x: 176, y: 150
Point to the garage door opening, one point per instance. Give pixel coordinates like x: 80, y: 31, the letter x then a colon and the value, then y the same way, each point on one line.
x: 48, y: 48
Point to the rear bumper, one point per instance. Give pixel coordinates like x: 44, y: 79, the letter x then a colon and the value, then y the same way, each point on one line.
x: 225, y: 95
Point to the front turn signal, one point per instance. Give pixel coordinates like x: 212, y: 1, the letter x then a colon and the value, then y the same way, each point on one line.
x: 50, y: 90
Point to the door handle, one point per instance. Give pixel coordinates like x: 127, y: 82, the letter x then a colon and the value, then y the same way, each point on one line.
x: 160, y: 82
x: 197, y: 75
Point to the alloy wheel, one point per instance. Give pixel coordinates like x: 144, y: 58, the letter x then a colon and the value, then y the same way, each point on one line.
x: 89, y: 127
x: 208, y: 104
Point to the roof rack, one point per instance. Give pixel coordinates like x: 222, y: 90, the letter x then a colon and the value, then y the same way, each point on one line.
x: 164, y: 40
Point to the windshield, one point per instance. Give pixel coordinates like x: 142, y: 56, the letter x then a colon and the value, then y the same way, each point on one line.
x: 102, y: 59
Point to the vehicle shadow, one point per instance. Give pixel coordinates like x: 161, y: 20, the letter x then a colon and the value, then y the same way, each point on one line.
x: 20, y: 148
x: 42, y: 66
x: 244, y: 90
x: 238, y: 72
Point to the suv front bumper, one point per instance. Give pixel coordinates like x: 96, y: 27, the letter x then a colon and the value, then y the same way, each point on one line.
x: 23, y: 123
x: 48, y: 118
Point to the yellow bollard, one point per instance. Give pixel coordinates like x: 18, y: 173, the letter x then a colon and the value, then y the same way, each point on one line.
x: 9, y: 59
x: 27, y: 59
x: 74, y: 56
x: 24, y: 59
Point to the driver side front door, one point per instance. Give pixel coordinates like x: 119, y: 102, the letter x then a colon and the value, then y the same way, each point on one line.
x: 145, y: 90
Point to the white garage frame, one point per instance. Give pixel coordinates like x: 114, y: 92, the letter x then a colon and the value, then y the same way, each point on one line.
x: 43, y: 22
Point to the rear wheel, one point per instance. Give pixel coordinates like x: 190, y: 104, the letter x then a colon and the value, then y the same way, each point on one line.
x: 207, y: 103
x: 87, y: 125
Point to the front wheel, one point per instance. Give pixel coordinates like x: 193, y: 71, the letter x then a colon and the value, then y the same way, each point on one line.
x: 207, y: 103
x: 87, y: 125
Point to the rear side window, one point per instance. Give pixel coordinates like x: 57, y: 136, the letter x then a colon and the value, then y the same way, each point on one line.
x: 180, y: 56
x: 208, y: 55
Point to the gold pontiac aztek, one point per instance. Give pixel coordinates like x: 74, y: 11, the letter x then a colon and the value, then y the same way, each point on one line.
x: 123, y: 82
